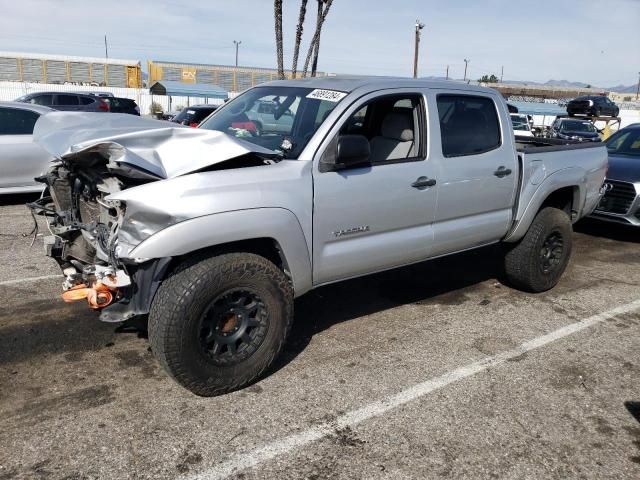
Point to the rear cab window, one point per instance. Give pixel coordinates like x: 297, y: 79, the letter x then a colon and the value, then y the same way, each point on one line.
x: 469, y: 124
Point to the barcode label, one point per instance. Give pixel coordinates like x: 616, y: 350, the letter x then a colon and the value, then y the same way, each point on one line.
x: 328, y: 95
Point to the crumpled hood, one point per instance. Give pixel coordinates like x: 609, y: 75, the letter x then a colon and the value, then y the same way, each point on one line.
x: 163, y: 149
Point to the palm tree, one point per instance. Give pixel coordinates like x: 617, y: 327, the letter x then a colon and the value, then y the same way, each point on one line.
x: 299, y: 29
x: 277, y: 13
x: 314, y: 47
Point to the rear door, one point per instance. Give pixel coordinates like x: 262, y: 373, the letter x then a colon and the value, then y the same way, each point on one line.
x: 367, y: 219
x: 21, y: 160
x: 477, y: 170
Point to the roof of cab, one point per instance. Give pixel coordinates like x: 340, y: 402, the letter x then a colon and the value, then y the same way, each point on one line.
x: 349, y: 84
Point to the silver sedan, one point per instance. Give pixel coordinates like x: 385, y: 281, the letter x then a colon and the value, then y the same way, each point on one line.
x: 21, y: 160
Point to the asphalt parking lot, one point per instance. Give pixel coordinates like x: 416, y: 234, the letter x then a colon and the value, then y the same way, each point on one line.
x: 437, y: 370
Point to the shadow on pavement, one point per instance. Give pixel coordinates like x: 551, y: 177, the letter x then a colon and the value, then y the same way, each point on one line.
x: 440, y: 281
x: 612, y: 231
x: 18, y: 199
x: 634, y: 409
x: 52, y: 327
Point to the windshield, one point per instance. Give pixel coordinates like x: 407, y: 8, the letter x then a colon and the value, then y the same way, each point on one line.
x: 278, y: 118
x: 577, y: 126
x: 626, y: 142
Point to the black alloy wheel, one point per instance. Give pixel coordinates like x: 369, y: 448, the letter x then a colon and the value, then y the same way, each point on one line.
x: 552, y: 252
x: 233, y: 326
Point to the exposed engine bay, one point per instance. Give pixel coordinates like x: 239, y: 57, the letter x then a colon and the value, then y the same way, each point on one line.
x: 83, y: 229
x: 88, y: 229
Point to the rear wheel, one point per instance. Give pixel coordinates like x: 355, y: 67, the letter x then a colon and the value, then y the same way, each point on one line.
x: 217, y: 323
x: 539, y: 260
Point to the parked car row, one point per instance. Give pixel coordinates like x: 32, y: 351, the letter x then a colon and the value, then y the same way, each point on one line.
x: 81, y: 102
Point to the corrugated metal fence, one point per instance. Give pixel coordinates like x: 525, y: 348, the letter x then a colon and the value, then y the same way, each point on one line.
x: 12, y: 90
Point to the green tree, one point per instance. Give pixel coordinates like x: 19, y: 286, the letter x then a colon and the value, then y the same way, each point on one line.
x: 489, y: 79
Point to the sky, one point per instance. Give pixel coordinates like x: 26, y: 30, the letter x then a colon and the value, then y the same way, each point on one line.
x: 592, y: 41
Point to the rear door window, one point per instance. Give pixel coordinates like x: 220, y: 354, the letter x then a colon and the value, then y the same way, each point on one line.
x: 15, y: 121
x: 46, y: 100
x: 67, y: 100
x: 468, y: 124
x: 86, y: 100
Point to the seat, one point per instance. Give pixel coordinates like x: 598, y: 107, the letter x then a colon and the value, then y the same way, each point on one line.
x: 396, y: 140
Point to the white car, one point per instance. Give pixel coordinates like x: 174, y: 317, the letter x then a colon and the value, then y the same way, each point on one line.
x: 21, y: 160
x: 521, y: 125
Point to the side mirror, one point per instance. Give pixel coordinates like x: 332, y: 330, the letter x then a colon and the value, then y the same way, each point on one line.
x: 350, y: 151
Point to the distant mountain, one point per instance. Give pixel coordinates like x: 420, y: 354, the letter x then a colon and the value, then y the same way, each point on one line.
x: 565, y: 83
x: 623, y: 89
x: 562, y: 84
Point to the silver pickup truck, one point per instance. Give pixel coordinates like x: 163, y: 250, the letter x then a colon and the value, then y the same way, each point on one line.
x: 212, y: 232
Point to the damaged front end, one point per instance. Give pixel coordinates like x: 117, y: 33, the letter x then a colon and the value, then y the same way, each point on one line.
x: 91, y: 231
x: 84, y: 227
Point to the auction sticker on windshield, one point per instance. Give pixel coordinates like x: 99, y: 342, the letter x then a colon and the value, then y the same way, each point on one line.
x: 328, y: 95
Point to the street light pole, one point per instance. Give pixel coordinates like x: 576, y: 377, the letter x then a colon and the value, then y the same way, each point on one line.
x: 419, y: 26
x: 237, y: 44
x: 466, y: 62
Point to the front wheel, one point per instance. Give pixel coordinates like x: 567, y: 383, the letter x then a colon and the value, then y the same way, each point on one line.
x: 217, y: 323
x: 538, y: 261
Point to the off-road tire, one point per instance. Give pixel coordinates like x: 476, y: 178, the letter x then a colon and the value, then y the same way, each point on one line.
x: 187, y: 294
x: 523, y: 263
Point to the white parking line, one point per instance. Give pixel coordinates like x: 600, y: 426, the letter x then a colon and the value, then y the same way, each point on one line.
x: 29, y: 279
x: 290, y: 443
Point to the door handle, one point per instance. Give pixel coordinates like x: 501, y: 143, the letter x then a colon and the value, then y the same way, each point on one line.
x: 502, y: 172
x: 423, y: 182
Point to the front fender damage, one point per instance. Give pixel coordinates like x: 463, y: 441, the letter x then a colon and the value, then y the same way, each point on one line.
x: 92, y: 231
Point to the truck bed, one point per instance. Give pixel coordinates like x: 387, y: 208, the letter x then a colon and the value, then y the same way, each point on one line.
x: 533, y: 144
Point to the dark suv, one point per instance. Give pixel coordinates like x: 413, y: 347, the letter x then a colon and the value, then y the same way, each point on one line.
x: 122, y: 105
x: 194, y: 114
x: 594, y: 105
x: 74, y: 102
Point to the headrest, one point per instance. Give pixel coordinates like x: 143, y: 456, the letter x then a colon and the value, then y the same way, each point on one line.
x: 398, y: 126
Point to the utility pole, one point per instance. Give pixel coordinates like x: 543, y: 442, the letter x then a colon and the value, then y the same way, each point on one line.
x: 419, y: 26
x: 501, y: 73
x: 447, y: 72
x: 106, y: 49
x: 237, y: 44
x: 466, y: 62
x: 638, y: 89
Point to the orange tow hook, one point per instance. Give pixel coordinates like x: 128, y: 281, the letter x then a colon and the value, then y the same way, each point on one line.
x: 98, y: 296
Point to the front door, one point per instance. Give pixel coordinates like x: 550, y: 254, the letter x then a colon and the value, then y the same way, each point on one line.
x: 373, y: 218
x: 477, y: 171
